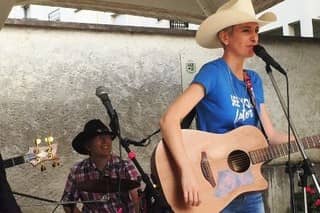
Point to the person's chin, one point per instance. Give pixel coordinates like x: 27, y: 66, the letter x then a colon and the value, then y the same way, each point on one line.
x: 105, y: 153
x: 249, y: 55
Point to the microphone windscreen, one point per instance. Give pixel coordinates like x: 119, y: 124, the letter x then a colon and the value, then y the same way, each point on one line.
x: 101, y: 90
x: 259, y: 50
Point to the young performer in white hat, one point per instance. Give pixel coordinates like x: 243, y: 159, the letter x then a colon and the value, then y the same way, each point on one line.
x: 220, y: 96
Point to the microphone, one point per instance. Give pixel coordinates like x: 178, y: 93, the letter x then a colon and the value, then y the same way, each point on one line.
x: 101, y: 92
x: 262, y: 53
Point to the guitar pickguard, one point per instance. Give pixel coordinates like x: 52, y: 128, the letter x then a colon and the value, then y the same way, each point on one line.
x: 229, y: 181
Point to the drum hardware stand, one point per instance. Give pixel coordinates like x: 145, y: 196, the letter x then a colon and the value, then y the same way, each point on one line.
x: 34, y: 197
x: 58, y: 202
x: 155, y: 199
x: 303, y: 173
x: 151, y: 192
x: 306, y: 167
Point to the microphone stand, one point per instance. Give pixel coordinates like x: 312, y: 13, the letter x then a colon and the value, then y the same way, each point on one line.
x: 143, y: 142
x: 155, y: 199
x: 306, y: 165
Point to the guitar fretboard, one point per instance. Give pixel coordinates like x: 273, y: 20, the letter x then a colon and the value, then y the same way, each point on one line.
x: 275, y: 151
x: 13, y: 161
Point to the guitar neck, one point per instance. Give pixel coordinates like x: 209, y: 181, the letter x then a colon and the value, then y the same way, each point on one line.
x: 14, y: 161
x: 279, y: 150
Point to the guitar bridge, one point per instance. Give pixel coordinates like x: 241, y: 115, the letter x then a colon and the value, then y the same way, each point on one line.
x: 206, y: 169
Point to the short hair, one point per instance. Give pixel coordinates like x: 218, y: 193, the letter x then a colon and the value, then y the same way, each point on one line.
x: 228, y: 30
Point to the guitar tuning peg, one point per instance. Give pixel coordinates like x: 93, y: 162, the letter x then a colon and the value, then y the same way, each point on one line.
x: 42, y: 168
x: 37, y: 141
x: 48, y: 140
x: 50, y: 155
x: 54, y: 164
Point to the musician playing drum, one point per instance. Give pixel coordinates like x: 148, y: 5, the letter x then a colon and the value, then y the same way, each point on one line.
x: 220, y: 96
x: 97, y: 177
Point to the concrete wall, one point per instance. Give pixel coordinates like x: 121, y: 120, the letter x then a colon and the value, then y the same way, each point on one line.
x: 48, y: 82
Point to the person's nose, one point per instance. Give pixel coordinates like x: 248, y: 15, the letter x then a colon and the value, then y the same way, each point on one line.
x: 106, y: 139
x: 254, y: 38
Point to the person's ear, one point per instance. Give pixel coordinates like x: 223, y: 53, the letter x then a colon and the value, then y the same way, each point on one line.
x: 224, y: 37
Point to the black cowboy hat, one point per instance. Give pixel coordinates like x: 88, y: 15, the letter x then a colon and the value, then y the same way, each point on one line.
x: 91, y: 129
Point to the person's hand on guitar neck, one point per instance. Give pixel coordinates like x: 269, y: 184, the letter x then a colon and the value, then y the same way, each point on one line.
x: 190, y: 186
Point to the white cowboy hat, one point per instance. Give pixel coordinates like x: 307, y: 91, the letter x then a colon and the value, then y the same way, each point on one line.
x: 231, y: 13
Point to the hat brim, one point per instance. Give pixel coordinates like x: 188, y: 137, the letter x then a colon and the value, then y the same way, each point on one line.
x: 207, y: 37
x: 80, y: 141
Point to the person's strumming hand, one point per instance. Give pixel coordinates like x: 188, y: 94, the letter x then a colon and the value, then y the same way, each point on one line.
x: 190, y: 187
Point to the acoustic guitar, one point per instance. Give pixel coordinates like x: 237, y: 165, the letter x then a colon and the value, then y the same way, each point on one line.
x: 227, y: 165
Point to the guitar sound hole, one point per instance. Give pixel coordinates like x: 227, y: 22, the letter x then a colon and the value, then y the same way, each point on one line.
x: 238, y: 161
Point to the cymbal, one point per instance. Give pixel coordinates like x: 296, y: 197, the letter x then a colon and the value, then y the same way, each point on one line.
x: 107, y: 185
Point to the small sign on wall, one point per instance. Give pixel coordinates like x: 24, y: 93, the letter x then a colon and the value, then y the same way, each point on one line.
x: 190, y: 67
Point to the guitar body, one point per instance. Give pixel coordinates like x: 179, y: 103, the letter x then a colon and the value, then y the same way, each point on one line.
x: 228, y: 171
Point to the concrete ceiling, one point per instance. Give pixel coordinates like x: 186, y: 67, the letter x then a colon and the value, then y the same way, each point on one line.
x: 193, y: 11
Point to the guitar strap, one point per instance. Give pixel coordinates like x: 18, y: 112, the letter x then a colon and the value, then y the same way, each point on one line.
x: 186, y: 122
x: 253, y: 101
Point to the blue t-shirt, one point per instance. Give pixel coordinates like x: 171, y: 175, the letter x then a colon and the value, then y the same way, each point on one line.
x: 226, y: 104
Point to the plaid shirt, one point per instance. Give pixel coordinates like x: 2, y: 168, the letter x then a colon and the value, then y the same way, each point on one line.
x: 87, y: 170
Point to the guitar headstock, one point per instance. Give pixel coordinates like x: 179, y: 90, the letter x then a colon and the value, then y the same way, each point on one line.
x: 39, y: 154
